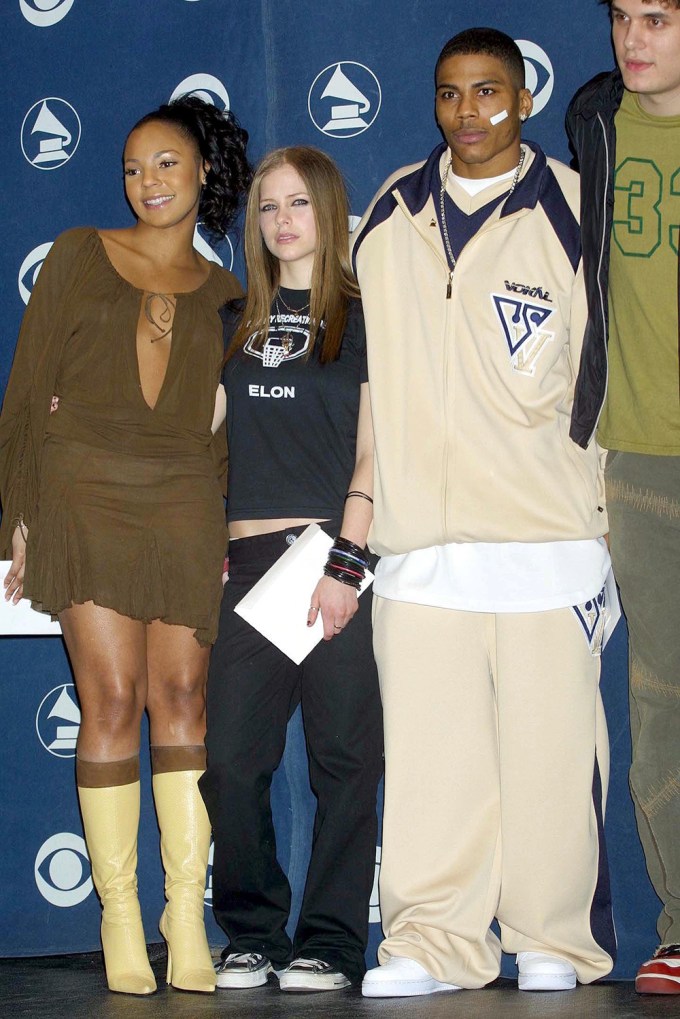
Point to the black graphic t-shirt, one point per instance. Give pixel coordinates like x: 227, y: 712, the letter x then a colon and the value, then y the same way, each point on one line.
x: 291, y: 421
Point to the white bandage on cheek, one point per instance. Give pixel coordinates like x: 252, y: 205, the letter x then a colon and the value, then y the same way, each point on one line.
x: 498, y: 117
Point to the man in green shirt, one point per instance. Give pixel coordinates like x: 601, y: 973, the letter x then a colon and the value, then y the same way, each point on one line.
x: 625, y: 130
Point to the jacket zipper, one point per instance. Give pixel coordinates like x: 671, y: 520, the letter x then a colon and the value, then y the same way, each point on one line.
x: 449, y: 290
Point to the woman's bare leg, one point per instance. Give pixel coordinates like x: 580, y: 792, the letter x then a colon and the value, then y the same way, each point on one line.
x: 177, y: 669
x: 108, y: 654
x: 108, y: 657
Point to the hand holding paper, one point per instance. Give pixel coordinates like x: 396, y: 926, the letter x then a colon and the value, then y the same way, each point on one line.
x: 278, y: 605
x: 337, y: 604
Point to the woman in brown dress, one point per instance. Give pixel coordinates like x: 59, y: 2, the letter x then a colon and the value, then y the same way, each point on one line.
x: 110, y: 477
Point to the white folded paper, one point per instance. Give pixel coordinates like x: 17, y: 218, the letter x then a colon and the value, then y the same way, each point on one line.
x: 278, y: 604
x: 21, y: 620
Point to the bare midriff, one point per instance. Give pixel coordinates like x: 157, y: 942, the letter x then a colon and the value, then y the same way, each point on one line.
x: 249, y: 528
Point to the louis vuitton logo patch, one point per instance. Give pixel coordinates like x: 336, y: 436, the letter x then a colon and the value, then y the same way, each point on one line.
x: 591, y: 616
x: 523, y: 324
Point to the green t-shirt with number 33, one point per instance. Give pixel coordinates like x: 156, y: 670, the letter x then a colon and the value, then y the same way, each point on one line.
x: 642, y: 409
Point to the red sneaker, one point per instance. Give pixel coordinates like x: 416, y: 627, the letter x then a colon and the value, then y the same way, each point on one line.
x: 661, y: 974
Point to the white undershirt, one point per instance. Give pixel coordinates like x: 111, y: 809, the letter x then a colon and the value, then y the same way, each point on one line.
x: 473, y: 187
x: 505, y: 577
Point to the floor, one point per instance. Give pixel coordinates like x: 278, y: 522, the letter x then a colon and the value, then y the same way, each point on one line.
x: 73, y: 987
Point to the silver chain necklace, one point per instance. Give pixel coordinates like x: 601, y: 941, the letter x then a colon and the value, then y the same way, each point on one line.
x: 442, y: 212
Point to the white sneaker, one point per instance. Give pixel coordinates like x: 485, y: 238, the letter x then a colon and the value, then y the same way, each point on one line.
x: 539, y: 972
x: 401, y: 978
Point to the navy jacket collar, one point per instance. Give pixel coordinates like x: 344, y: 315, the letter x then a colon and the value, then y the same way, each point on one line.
x: 415, y: 189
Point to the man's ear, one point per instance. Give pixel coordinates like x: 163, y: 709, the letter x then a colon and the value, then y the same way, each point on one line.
x: 526, y: 103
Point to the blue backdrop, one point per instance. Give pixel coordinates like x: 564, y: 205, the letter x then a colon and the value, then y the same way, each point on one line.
x: 354, y: 78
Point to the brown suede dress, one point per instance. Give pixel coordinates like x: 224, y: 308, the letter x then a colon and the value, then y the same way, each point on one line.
x: 124, y: 503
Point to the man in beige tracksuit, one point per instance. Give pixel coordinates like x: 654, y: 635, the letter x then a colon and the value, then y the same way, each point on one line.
x: 490, y: 598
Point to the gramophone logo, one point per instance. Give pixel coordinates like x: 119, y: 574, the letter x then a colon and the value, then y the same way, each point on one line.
x: 58, y: 720
x: 50, y: 133
x: 540, y: 77
x: 44, y: 13
x: 344, y: 99
x: 30, y: 268
x: 206, y: 87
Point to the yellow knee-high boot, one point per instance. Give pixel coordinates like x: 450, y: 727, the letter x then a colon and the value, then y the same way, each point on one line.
x: 185, y: 841
x: 109, y: 803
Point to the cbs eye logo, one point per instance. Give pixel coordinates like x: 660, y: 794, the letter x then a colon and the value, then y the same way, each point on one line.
x: 44, y: 13
x: 202, y: 245
x: 29, y: 269
x: 62, y: 870
x: 540, y: 77
x: 206, y: 86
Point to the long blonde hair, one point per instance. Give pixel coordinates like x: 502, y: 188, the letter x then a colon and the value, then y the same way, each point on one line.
x: 333, y: 282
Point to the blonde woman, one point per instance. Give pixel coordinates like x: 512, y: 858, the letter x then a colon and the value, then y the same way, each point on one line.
x: 299, y: 435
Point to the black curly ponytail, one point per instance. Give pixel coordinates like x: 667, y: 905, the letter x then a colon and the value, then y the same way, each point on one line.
x: 221, y: 142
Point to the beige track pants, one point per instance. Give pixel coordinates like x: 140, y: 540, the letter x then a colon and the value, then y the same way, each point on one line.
x: 496, y: 772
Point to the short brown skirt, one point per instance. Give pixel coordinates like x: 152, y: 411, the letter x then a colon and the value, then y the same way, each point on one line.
x: 145, y: 536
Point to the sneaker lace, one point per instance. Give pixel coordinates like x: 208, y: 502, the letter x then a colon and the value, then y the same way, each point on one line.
x: 312, y: 965
x: 246, y: 958
x: 665, y: 950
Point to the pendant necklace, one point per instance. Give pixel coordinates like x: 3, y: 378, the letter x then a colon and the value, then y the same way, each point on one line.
x: 442, y: 213
x: 287, y: 338
x: 159, y: 311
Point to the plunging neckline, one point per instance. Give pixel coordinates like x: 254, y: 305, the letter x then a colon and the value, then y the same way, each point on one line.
x: 140, y: 294
x: 143, y: 294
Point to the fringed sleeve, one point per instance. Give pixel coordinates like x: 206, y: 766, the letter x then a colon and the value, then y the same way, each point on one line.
x: 28, y: 397
x: 15, y: 469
